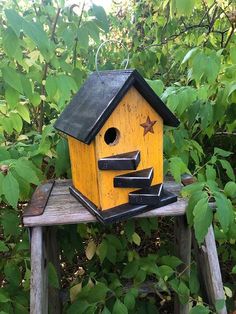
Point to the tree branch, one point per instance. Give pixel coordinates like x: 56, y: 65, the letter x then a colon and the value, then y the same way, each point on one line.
x: 76, y: 39
x: 229, y: 37
x: 43, y: 91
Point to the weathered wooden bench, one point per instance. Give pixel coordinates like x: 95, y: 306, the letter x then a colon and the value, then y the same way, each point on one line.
x: 53, y: 205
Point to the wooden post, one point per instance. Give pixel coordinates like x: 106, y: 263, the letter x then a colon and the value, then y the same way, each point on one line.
x: 39, y: 281
x: 183, y: 250
x: 53, y: 257
x: 209, y: 268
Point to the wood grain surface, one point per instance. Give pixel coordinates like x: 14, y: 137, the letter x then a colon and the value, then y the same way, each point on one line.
x: 63, y: 208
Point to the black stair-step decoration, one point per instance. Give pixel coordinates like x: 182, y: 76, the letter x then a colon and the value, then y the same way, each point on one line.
x: 137, y: 179
x: 126, y: 161
x: 123, y: 211
x: 146, y: 196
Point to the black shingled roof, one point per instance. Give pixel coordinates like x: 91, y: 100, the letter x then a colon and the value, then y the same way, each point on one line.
x: 98, y: 97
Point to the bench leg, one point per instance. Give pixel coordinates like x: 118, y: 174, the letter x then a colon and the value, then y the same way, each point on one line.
x: 52, y: 250
x: 183, y: 248
x: 208, y: 265
x: 39, y: 277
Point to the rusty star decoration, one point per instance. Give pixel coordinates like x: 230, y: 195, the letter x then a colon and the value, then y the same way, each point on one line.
x: 148, y: 126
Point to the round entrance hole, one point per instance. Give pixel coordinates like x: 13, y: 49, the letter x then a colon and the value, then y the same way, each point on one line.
x: 112, y: 136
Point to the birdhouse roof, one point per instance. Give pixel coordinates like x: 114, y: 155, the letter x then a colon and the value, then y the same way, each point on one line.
x: 98, y: 97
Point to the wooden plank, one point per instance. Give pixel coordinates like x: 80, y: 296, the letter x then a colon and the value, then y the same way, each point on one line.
x: 52, y: 250
x: 183, y: 251
x: 63, y: 208
x: 38, y: 282
x: 208, y: 265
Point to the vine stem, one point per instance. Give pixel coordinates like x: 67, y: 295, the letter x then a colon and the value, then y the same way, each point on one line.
x: 43, y: 91
x: 76, y: 39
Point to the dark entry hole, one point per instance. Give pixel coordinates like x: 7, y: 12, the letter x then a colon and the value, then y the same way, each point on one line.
x: 112, y: 136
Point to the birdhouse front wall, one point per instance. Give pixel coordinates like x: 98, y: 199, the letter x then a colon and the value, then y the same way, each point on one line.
x: 84, y: 169
x: 129, y: 132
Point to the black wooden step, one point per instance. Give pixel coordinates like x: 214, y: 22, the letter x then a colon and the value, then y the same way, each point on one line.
x: 137, y: 179
x: 126, y: 161
x: 146, y: 196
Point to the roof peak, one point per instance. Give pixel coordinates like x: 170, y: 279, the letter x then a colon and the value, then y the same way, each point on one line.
x: 97, y: 98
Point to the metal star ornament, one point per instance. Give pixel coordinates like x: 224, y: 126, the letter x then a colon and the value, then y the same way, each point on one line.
x: 148, y: 126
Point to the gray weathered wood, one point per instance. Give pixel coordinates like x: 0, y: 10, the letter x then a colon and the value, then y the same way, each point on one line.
x: 183, y: 251
x: 63, y: 208
x: 39, y: 278
x: 52, y: 250
x: 208, y: 265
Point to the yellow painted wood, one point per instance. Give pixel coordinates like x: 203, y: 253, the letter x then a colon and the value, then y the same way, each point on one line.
x: 84, y: 169
x: 127, y: 117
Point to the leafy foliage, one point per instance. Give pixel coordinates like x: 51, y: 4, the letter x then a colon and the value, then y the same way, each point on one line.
x: 186, y: 51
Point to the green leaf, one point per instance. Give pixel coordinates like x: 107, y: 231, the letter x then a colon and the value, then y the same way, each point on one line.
x: 12, y: 78
x: 1, y: 183
x: 224, y: 210
x: 229, y: 170
x: 10, y: 42
x: 202, y: 218
x: 156, y: 85
x: 190, y: 54
x: 93, y: 31
x: 210, y: 173
x: 4, y: 154
x: 205, y: 65
x: 83, y: 38
x: 27, y: 87
x: 219, y: 304
x: 101, y: 16
x: 119, y: 308
x: 199, y: 309
x: 136, y: 238
x: 63, y: 160
x: 129, y: 300
x: 12, y: 273
x: 51, y: 86
x: 3, y: 247
x: 80, y: 306
x: 192, y: 188
x: 194, y: 284
x: 130, y: 270
x: 102, y: 250
x: 233, y: 54
x: 4, y: 297
x: 177, y: 167
x: 184, y: 7
x: 183, y: 293
x: 16, y: 121
x: 10, y: 189
x: 139, y: 277
x: 23, y: 112
x: 52, y: 276
x: 193, y: 200
x: 23, y: 167
x: 230, y: 189
x: 12, y: 96
x: 105, y: 311
x: 234, y: 270
x: 166, y: 271
x: 97, y: 293
x: 222, y: 152
x: 14, y: 20
x: 10, y: 223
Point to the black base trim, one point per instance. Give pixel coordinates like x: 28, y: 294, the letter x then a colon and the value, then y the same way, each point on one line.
x: 123, y: 211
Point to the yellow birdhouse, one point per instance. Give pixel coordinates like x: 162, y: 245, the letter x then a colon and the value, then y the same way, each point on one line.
x: 115, y: 132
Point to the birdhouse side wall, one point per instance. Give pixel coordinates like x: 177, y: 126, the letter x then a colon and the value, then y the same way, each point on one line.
x: 84, y: 169
x: 131, y: 112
